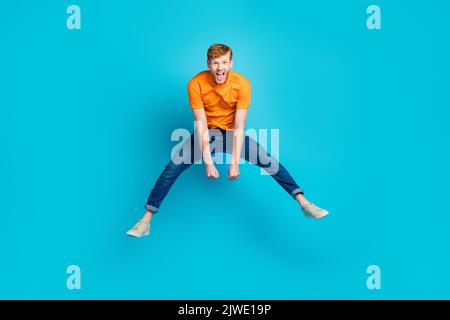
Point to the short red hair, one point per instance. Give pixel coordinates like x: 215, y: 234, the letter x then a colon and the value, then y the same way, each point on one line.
x: 217, y: 50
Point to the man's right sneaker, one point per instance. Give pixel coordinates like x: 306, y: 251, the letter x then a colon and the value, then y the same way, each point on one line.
x: 141, y: 228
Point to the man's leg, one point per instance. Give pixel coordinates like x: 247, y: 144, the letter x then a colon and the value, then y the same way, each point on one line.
x: 181, y: 160
x: 254, y: 153
x: 162, y: 186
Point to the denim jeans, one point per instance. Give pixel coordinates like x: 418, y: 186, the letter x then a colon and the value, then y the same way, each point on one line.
x: 220, y: 142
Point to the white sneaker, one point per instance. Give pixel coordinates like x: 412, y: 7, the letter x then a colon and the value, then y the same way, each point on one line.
x: 312, y: 211
x: 141, y: 228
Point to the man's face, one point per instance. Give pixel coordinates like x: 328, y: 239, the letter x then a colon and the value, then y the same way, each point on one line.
x: 220, y: 67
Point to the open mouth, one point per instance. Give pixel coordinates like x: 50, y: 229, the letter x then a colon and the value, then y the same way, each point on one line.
x: 220, y: 76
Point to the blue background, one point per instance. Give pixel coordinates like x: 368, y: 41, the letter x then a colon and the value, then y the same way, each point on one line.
x: 85, y: 123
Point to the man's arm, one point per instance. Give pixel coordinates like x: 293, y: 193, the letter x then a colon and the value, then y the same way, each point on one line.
x: 201, y: 127
x: 238, y: 139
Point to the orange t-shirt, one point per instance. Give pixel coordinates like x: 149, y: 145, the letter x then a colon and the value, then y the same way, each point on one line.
x: 219, y: 100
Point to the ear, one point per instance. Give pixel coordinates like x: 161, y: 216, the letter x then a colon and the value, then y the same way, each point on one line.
x: 231, y: 63
x: 208, y: 64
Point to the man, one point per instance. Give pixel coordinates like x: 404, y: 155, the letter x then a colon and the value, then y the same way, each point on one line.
x: 219, y: 99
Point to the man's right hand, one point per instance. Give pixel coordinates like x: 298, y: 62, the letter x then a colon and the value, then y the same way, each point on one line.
x: 211, y: 171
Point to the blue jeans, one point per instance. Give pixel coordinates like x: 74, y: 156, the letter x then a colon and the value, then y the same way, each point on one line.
x: 220, y: 141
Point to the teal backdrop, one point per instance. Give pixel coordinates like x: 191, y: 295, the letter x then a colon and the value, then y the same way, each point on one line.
x: 85, y: 123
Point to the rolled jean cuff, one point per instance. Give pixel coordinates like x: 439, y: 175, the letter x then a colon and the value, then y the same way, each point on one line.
x: 151, y: 208
x: 296, y: 192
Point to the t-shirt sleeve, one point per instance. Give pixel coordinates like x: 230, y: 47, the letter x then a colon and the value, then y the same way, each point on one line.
x: 244, y: 95
x: 195, y: 96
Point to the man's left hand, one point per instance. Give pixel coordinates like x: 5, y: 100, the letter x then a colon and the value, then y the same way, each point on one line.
x: 233, y: 172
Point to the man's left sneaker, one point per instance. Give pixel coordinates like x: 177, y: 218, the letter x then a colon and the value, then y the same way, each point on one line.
x: 312, y: 211
x: 141, y: 228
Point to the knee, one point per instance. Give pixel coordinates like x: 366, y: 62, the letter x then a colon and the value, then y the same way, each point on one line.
x: 172, y: 169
